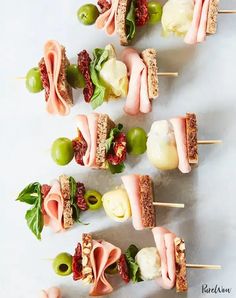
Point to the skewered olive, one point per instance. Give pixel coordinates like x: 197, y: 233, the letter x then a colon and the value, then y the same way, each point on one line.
x: 33, y: 80
x: 93, y: 199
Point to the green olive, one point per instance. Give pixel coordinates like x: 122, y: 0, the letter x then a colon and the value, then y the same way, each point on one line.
x: 93, y: 199
x: 112, y: 269
x: 62, y: 264
x: 136, y: 141
x: 74, y: 77
x: 155, y: 12
x: 62, y: 151
x: 87, y: 14
x: 33, y: 80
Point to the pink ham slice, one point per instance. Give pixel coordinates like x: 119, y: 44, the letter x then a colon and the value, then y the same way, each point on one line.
x: 191, y: 36
x: 179, y: 125
x: 137, y: 98
x: 93, y: 123
x: 131, y: 183
x: 53, y: 206
x: 102, y: 256
x: 106, y: 20
x: 201, y: 35
x: 145, y: 103
x: 164, y: 240
x: 52, y: 57
x: 51, y: 293
x: 83, y: 127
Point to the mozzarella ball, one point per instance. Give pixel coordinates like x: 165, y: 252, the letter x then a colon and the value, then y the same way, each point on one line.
x: 149, y: 263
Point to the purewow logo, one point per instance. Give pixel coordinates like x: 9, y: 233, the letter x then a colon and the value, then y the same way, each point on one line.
x: 215, y: 289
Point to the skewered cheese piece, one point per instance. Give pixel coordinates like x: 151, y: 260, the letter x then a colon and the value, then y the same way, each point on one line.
x: 161, y: 146
x: 116, y: 204
x: 149, y: 263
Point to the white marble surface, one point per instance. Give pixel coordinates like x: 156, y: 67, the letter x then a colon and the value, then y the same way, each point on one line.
x: 206, y: 85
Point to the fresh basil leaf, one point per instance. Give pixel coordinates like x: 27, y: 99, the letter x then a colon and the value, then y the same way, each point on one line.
x: 99, y: 57
x: 130, y: 254
x: 116, y: 169
x: 73, y: 188
x: 76, y: 212
x: 74, y: 206
x: 29, y: 194
x: 114, y: 132
x: 132, y: 251
x: 98, y: 97
x: 34, y: 220
x: 130, y: 21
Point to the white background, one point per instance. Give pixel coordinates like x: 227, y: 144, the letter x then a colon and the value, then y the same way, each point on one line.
x: 206, y: 86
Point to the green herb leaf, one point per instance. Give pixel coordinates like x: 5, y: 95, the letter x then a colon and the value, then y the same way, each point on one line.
x: 130, y: 21
x: 130, y: 254
x: 116, y: 169
x: 29, y: 194
x: 114, y: 132
x: 34, y: 216
x: 99, y: 57
x: 73, y: 188
x: 75, y: 208
x: 34, y: 220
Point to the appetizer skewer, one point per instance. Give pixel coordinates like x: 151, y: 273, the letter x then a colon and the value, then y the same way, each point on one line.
x: 174, y: 144
x: 101, y: 144
x: 59, y: 205
x: 94, y: 261
x: 104, y: 77
x: 52, y: 292
x: 193, y: 20
x: 121, y: 17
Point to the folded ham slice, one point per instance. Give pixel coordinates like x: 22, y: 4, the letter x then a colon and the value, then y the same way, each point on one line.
x: 164, y: 240
x: 51, y: 293
x: 83, y: 126
x: 137, y: 98
x: 102, y: 256
x: 191, y: 36
x: 131, y: 183
x: 106, y: 20
x: 201, y: 35
x: 93, y: 123
x: 179, y: 125
x: 145, y: 103
x: 53, y: 58
x: 53, y: 206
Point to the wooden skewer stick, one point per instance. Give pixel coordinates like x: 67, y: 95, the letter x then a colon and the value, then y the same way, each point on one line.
x: 207, y: 142
x: 171, y: 205
x: 168, y: 74
x: 227, y: 11
x: 161, y: 74
x: 20, y: 78
x: 201, y: 266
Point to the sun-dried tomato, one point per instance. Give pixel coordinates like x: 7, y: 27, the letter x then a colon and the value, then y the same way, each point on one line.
x: 84, y: 64
x: 104, y: 5
x: 123, y: 268
x: 80, y: 146
x: 117, y: 153
x: 81, y: 203
x: 77, y: 263
x: 141, y: 12
x: 44, y: 78
x: 45, y: 188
